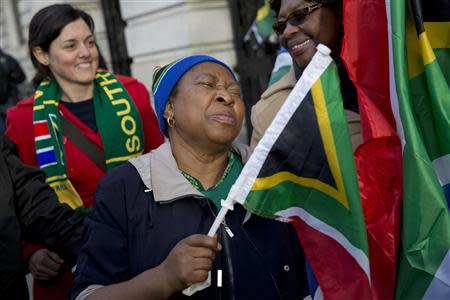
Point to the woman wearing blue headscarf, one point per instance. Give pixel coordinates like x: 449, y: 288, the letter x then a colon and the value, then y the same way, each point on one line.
x: 146, y: 236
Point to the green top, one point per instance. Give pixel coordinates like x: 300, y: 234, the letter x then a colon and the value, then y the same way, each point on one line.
x: 221, y: 189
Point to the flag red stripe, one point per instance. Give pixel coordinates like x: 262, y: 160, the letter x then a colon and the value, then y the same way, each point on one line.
x: 365, y: 53
x: 348, y: 281
x: 379, y: 167
x: 40, y: 129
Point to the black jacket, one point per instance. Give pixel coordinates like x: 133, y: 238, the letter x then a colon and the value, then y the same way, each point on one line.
x: 30, y: 211
x: 139, y: 217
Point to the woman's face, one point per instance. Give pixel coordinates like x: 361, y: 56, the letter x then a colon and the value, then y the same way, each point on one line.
x: 320, y: 26
x: 207, y: 106
x: 73, y: 56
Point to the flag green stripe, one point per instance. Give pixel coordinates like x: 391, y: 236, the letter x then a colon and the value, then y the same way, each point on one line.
x: 426, y: 241
x: 342, y: 209
x: 425, y: 219
x: 331, y: 89
x: 432, y: 119
x: 265, y: 26
x: 277, y: 75
x: 318, y: 204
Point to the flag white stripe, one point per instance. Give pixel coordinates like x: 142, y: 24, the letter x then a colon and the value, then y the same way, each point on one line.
x: 42, y: 137
x: 439, y: 287
x: 47, y: 165
x: 283, y: 60
x: 319, y: 294
x: 442, y: 167
x: 319, y: 63
x: 392, y: 86
x: 44, y: 150
x: 359, y: 255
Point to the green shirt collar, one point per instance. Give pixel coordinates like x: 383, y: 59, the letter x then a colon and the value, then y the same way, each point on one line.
x: 221, y: 189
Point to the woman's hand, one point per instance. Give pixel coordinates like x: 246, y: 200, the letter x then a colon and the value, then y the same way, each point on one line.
x: 44, y: 264
x: 190, y: 261
x: 187, y: 263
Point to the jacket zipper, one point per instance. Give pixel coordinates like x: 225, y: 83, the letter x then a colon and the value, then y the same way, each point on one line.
x: 227, y: 254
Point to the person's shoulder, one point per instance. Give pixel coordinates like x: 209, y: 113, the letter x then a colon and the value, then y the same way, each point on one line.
x: 242, y: 150
x: 25, y: 103
x: 7, y: 146
x: 286, y: 83
x: 127, y: 80
x: 22, y: 109
x: 275, y: 95
x: 121, y: 174
x: 137, y: 89
x: 120, y: 180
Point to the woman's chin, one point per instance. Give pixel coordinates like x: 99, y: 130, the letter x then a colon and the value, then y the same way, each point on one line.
x: 304, y: 59
x: 225, y: 139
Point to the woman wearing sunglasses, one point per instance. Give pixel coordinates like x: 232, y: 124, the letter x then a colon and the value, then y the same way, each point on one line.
x: 301, y: 25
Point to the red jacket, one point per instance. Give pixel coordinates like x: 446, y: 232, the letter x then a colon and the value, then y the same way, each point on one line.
x: 83, y: 173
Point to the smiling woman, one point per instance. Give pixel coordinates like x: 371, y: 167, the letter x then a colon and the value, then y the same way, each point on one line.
x: 146, y: 237
x: 81, y: 123
x: 301, y: 26
x: 72, y: 59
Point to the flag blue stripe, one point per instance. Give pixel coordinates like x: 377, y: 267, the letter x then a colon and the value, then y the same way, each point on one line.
x: 46, y: 157
x: 312, y: 281
x: 447, y: 194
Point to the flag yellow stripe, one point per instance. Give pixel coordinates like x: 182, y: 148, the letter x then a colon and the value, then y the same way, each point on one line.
x: 438, y: 34
x: 50, y: 102
x: 123, y: 158
x: 67, y: 193
x: 263, y: 12
x: 420, y: 50
x: 425, y: 47
x: 56, y: 178
x: 38, y: 94
x: 271, y: 181
x: 328, y: 140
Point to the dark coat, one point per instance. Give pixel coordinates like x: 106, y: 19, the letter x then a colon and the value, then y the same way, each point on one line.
x: 29, y: 210
x: 134, y: 226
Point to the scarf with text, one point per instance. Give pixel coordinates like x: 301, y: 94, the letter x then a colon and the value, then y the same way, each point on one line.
x: 117, y: 119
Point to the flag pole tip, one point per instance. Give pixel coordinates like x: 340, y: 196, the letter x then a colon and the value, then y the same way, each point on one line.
x: 323, y: 49
x: 227, y: 204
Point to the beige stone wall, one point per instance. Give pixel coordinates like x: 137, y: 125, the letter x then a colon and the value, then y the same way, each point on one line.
x: 158, y: 32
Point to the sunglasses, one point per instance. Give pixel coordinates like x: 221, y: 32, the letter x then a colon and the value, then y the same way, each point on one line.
x: 295, y: 18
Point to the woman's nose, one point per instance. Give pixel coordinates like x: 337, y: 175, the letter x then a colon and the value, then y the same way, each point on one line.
x: 224, y: 96
x: 289, y: 31
x: 84, y: 51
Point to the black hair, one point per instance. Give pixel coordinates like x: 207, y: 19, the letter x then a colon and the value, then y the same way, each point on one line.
x: 334, y: 5
x: 275, y: 5
x: 46, y: 25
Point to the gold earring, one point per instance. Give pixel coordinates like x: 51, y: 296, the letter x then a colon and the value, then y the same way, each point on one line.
x: 170, y: 121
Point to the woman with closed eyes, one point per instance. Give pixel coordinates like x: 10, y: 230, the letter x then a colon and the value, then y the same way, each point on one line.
x: 146, y: 237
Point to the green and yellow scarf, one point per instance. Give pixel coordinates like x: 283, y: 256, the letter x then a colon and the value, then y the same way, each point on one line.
x: 117, y: 119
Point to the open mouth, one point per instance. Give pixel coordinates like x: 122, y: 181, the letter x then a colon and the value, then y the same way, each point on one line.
x: 298, y: 49
x: 84, y: 65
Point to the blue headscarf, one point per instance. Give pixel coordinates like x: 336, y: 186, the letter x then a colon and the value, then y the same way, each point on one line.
x: 165, y: 79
